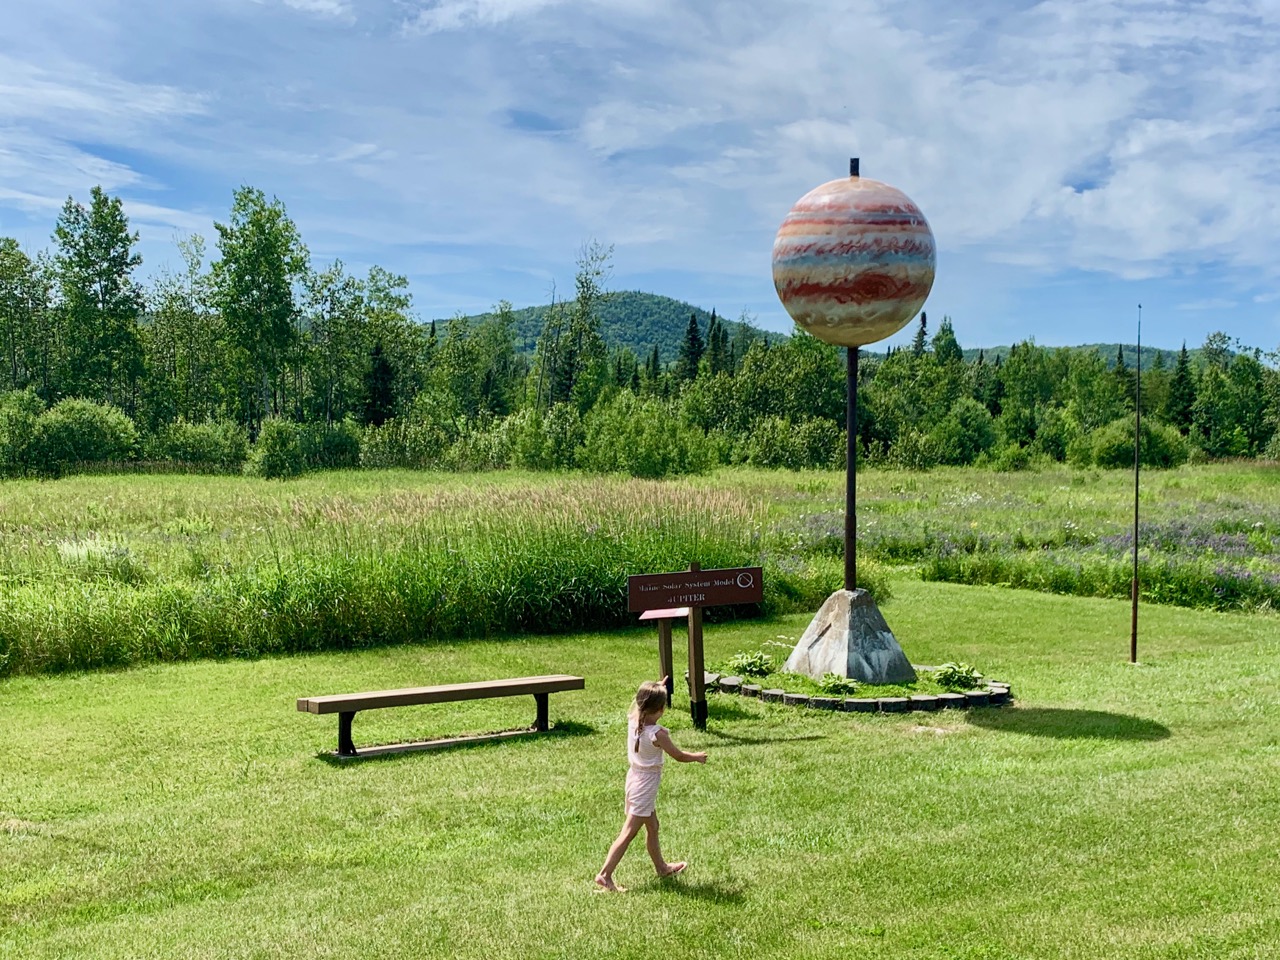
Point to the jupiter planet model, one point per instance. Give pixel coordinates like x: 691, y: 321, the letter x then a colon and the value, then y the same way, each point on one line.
x: 854, y: 261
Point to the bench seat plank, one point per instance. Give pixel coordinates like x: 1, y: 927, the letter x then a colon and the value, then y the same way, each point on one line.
x: 443, y: 693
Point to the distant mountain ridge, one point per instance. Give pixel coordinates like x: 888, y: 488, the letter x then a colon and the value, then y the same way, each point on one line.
x: 1105, y: 350
x: 638, y: 320
x: 633, y: 319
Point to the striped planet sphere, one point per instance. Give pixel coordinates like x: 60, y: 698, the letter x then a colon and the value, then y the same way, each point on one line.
x: 853, y: 261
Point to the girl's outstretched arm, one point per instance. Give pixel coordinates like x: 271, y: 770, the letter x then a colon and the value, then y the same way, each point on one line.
x: 663, y: 739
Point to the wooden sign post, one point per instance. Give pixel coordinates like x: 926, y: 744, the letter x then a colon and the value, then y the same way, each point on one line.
x: 662, y: 595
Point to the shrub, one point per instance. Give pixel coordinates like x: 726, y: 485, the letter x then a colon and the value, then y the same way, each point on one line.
x: 404, y: 442
x: 1112, y: 446
x: 1056, y: 430
x: 642, y: 438
x: 546, y: 441
x: 481, y: 446
x: 334, y: 446
x: 80, y: 431
x: 914, y: 450
x: 217, y: 444
x: 806, y: 443
x: 966, y: 433
x: 1273, y: 447
x: 19, y: 410
x: 1010, y: 458
x: 758, y: 664
x: 957, y: 676
x: 278, y: 454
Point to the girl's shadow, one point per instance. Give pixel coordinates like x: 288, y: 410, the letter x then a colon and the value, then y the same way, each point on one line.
x: 710, y: 891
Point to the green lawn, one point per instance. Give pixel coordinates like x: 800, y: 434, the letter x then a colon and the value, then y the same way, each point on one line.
x: 182, y: 810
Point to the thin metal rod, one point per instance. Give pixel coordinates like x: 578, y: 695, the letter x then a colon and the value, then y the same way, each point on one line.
x: 1137, y: 442
x: 851, y: 474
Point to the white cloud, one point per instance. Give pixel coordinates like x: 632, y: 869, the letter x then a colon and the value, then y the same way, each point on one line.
x: 457, y: 14
x: 1128, y: 138
x: 337, y: 9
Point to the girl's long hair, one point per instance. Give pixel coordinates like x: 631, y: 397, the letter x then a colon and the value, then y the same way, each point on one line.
x: 650, y: 698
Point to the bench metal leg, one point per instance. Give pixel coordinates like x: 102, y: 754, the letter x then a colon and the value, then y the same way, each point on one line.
x: 543, y: 722
x: 345, y: 747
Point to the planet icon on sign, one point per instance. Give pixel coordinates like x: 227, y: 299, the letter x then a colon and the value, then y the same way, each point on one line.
x: 746, y: 581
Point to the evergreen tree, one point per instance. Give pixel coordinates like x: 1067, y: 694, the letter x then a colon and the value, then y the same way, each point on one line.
x: 717, y: 353
x: 921, y: 337
x: 691, y: 350
x: 1126, y: 381
x: 379, y: 388
x: 945, y: 346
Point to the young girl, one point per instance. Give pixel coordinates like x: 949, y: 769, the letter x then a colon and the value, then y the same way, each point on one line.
x: 646, y: 744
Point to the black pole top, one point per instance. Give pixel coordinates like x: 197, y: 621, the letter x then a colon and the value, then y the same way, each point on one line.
x: 853, y: 166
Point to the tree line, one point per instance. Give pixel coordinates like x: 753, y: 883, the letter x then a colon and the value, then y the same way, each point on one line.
x: 255, y: 358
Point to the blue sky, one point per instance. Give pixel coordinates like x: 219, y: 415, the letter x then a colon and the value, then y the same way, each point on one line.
x: 1074, y: 157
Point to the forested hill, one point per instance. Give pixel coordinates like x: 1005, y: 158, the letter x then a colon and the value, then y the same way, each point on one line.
x: 1105, y: 350
x: 633, y: 319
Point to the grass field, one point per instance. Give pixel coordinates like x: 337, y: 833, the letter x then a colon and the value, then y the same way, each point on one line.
x: 114, y: 570
x: 182, y: 810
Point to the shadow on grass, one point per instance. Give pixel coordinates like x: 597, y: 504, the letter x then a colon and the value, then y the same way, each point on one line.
x: 1068, y: 724
x: 733, y: 740
x: 481, y: 741
x: 723, y: 708
x: 709, y: 891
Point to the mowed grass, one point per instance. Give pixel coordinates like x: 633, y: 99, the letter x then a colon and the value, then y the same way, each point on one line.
x: 183, y: 810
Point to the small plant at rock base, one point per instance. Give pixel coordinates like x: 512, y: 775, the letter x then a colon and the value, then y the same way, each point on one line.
x: 957, y: 676
x: 836, y: 685
x: 756, y: 664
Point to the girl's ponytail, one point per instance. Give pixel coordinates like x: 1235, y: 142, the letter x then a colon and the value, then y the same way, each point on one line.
x: 650, y: 698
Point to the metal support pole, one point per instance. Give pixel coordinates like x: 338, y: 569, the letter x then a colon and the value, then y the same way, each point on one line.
x: 851, y: 473
x: 543, y: 722
x: 1137, y: 443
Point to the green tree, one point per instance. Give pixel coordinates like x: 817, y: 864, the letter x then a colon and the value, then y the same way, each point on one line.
x: 1213, y: 426
x: 1126, y: 382
x: 406, y: 347
x: 99, y: 300
x: 25, y: 318
x: 1028, y: 388
x: 921, y: 339
x: 1182, y: 394
x: 691, y: 350
x: 379, y: 402
x: 335, y: 344
x: 945, y: 346
x: 262, y: 260
x: 501, y: 370
x: 185, y: 345
x: 1217, y: 350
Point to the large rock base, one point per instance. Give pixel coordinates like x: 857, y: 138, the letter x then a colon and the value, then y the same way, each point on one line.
x: 849, y: 637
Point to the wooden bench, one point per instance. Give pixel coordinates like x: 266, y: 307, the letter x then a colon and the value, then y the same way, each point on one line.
x: 347, y: 705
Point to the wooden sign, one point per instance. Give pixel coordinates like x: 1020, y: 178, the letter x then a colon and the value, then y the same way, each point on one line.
x: 695, y: 588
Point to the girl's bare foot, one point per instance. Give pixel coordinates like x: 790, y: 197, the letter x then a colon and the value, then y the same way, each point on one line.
x: 672, y: 869
x: 606, y: 883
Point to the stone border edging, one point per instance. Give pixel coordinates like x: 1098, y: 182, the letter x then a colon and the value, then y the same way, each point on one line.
x: 995, y: 694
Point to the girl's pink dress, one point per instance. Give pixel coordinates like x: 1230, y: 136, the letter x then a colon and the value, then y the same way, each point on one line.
x: 645, y: 774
